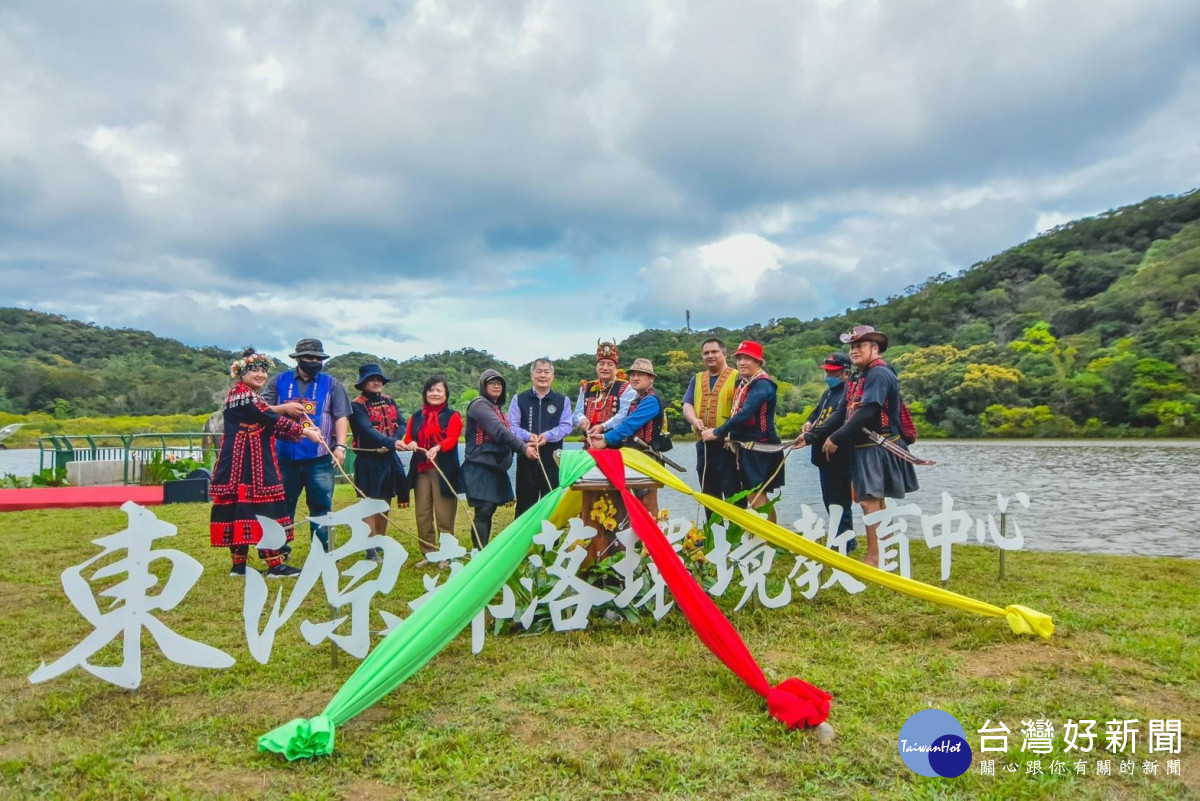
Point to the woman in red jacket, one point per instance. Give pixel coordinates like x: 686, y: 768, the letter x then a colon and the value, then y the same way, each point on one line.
x: 432, y: 435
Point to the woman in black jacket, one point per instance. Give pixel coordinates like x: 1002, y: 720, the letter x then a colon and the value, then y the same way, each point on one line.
x: 490, y: 448
x: 378, y: 429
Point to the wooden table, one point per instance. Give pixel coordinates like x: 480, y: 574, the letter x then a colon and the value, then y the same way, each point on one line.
x: 604, y: 544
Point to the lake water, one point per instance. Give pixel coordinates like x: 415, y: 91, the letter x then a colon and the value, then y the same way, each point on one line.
x: 1103, y: 496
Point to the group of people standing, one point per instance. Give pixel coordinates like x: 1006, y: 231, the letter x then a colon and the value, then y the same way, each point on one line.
x: 739, y: 453
x: 290, y: 432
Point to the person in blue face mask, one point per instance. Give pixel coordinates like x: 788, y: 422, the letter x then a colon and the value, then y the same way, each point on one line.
x: 311, y: 397
x: 827, y: 417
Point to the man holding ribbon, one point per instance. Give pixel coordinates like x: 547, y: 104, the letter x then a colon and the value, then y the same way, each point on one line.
x: 312, y: 398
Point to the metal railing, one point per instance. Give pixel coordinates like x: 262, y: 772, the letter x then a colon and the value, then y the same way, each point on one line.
x: 132, y: 450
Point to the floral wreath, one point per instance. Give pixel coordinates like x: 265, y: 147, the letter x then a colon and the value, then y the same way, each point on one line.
x: 247, y: 363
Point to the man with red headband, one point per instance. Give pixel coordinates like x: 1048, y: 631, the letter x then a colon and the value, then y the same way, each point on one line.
x: 872, y: 403
x: 752, y: 423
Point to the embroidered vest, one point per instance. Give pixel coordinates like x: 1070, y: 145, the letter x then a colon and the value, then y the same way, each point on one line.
x: 854, y: 393
x: 483, y: 449
x: 761, y: 425
x: 476, y: 436
x: 600, y: 406
x: 384, y: 416
x: 714, y: 406
x: 650, y: 431
x: 316, y: 405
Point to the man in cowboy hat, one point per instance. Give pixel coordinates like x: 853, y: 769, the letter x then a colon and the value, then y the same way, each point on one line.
x: 752, y: 423
x: 644, y: 422
x: 827, y: 417
x: 872, y: 403
x: 603, y: 403
x: 313, y: 398
x: 707, y: 403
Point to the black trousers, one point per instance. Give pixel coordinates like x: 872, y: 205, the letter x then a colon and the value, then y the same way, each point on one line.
x: 835, y: 489
x: 717, y: 470
x: 481, y: 527
x: 531, y: 482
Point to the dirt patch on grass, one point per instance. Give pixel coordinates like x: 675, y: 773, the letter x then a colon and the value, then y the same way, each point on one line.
x: 1010, y: 661
x: 524, y: 728
x: 371, y: 791
x: 17, y: 752
x: 211, y: 781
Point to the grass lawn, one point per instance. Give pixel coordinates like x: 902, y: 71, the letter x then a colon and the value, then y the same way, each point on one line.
x: 616, y: 710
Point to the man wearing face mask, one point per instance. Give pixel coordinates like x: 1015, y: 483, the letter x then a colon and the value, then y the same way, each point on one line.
x: 310, y: 397
x: 827, y: 417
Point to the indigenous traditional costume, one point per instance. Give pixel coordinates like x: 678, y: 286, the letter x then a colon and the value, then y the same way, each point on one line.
x: 604, y: 405
x: 873, y: 403
x: 711, y: 395
x: 645, y: 419
x: 489, y: 455
x: 377, y: 425
x: 246, y: 480
x: 752, y: 421
x: 645, y: 424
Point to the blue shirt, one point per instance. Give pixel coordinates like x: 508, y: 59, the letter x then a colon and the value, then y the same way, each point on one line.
x: 647, y: 409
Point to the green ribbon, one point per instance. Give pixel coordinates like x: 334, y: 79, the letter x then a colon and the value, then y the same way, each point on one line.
x: 427, y: 630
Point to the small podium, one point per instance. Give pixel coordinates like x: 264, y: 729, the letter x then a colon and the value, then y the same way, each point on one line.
x: 599, y: 494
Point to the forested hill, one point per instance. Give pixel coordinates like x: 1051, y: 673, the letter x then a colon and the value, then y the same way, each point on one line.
x: 1092, y: 328
x: 51, y: 364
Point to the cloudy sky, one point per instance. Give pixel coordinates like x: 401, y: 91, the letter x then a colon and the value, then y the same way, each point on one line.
x: 524, y: 177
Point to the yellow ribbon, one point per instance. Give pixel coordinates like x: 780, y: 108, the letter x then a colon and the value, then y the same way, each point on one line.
x: 1021, y: 619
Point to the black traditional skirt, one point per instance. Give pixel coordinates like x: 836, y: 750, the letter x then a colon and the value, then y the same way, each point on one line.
x: 876, y: 473
x: 755, y: 467
x: 381, y: 476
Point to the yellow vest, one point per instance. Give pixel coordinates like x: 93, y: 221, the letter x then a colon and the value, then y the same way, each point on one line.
x: 715, y: 406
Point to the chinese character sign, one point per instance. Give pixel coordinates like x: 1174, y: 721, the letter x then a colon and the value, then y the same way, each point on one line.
x: 551, y: 589
x: 132, y: 606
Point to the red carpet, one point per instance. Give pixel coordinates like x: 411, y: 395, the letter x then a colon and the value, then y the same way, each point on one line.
x: 13, y: 500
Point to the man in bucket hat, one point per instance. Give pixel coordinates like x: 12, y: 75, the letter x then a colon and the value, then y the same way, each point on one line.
x: 313, y: 398
x: 752, y: 422
x: 872, y: 403
x: 828, y: 416
x: 644, y: 421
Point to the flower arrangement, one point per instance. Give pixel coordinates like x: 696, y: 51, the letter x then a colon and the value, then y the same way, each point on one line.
x: 242, y: 365
x: 604, y: 512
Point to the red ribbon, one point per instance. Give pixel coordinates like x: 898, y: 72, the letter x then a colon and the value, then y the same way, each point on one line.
x: 793, y: 702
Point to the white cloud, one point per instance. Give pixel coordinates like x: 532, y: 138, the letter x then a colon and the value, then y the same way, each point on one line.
x: 742, y: 162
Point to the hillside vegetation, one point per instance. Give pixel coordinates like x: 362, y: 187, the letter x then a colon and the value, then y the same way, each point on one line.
x: 1091, y: 329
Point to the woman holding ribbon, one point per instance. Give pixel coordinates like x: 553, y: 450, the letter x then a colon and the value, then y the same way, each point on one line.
x: 246, y: 481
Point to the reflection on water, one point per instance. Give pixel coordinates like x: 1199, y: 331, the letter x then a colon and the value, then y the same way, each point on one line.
x: 1098, y: 496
